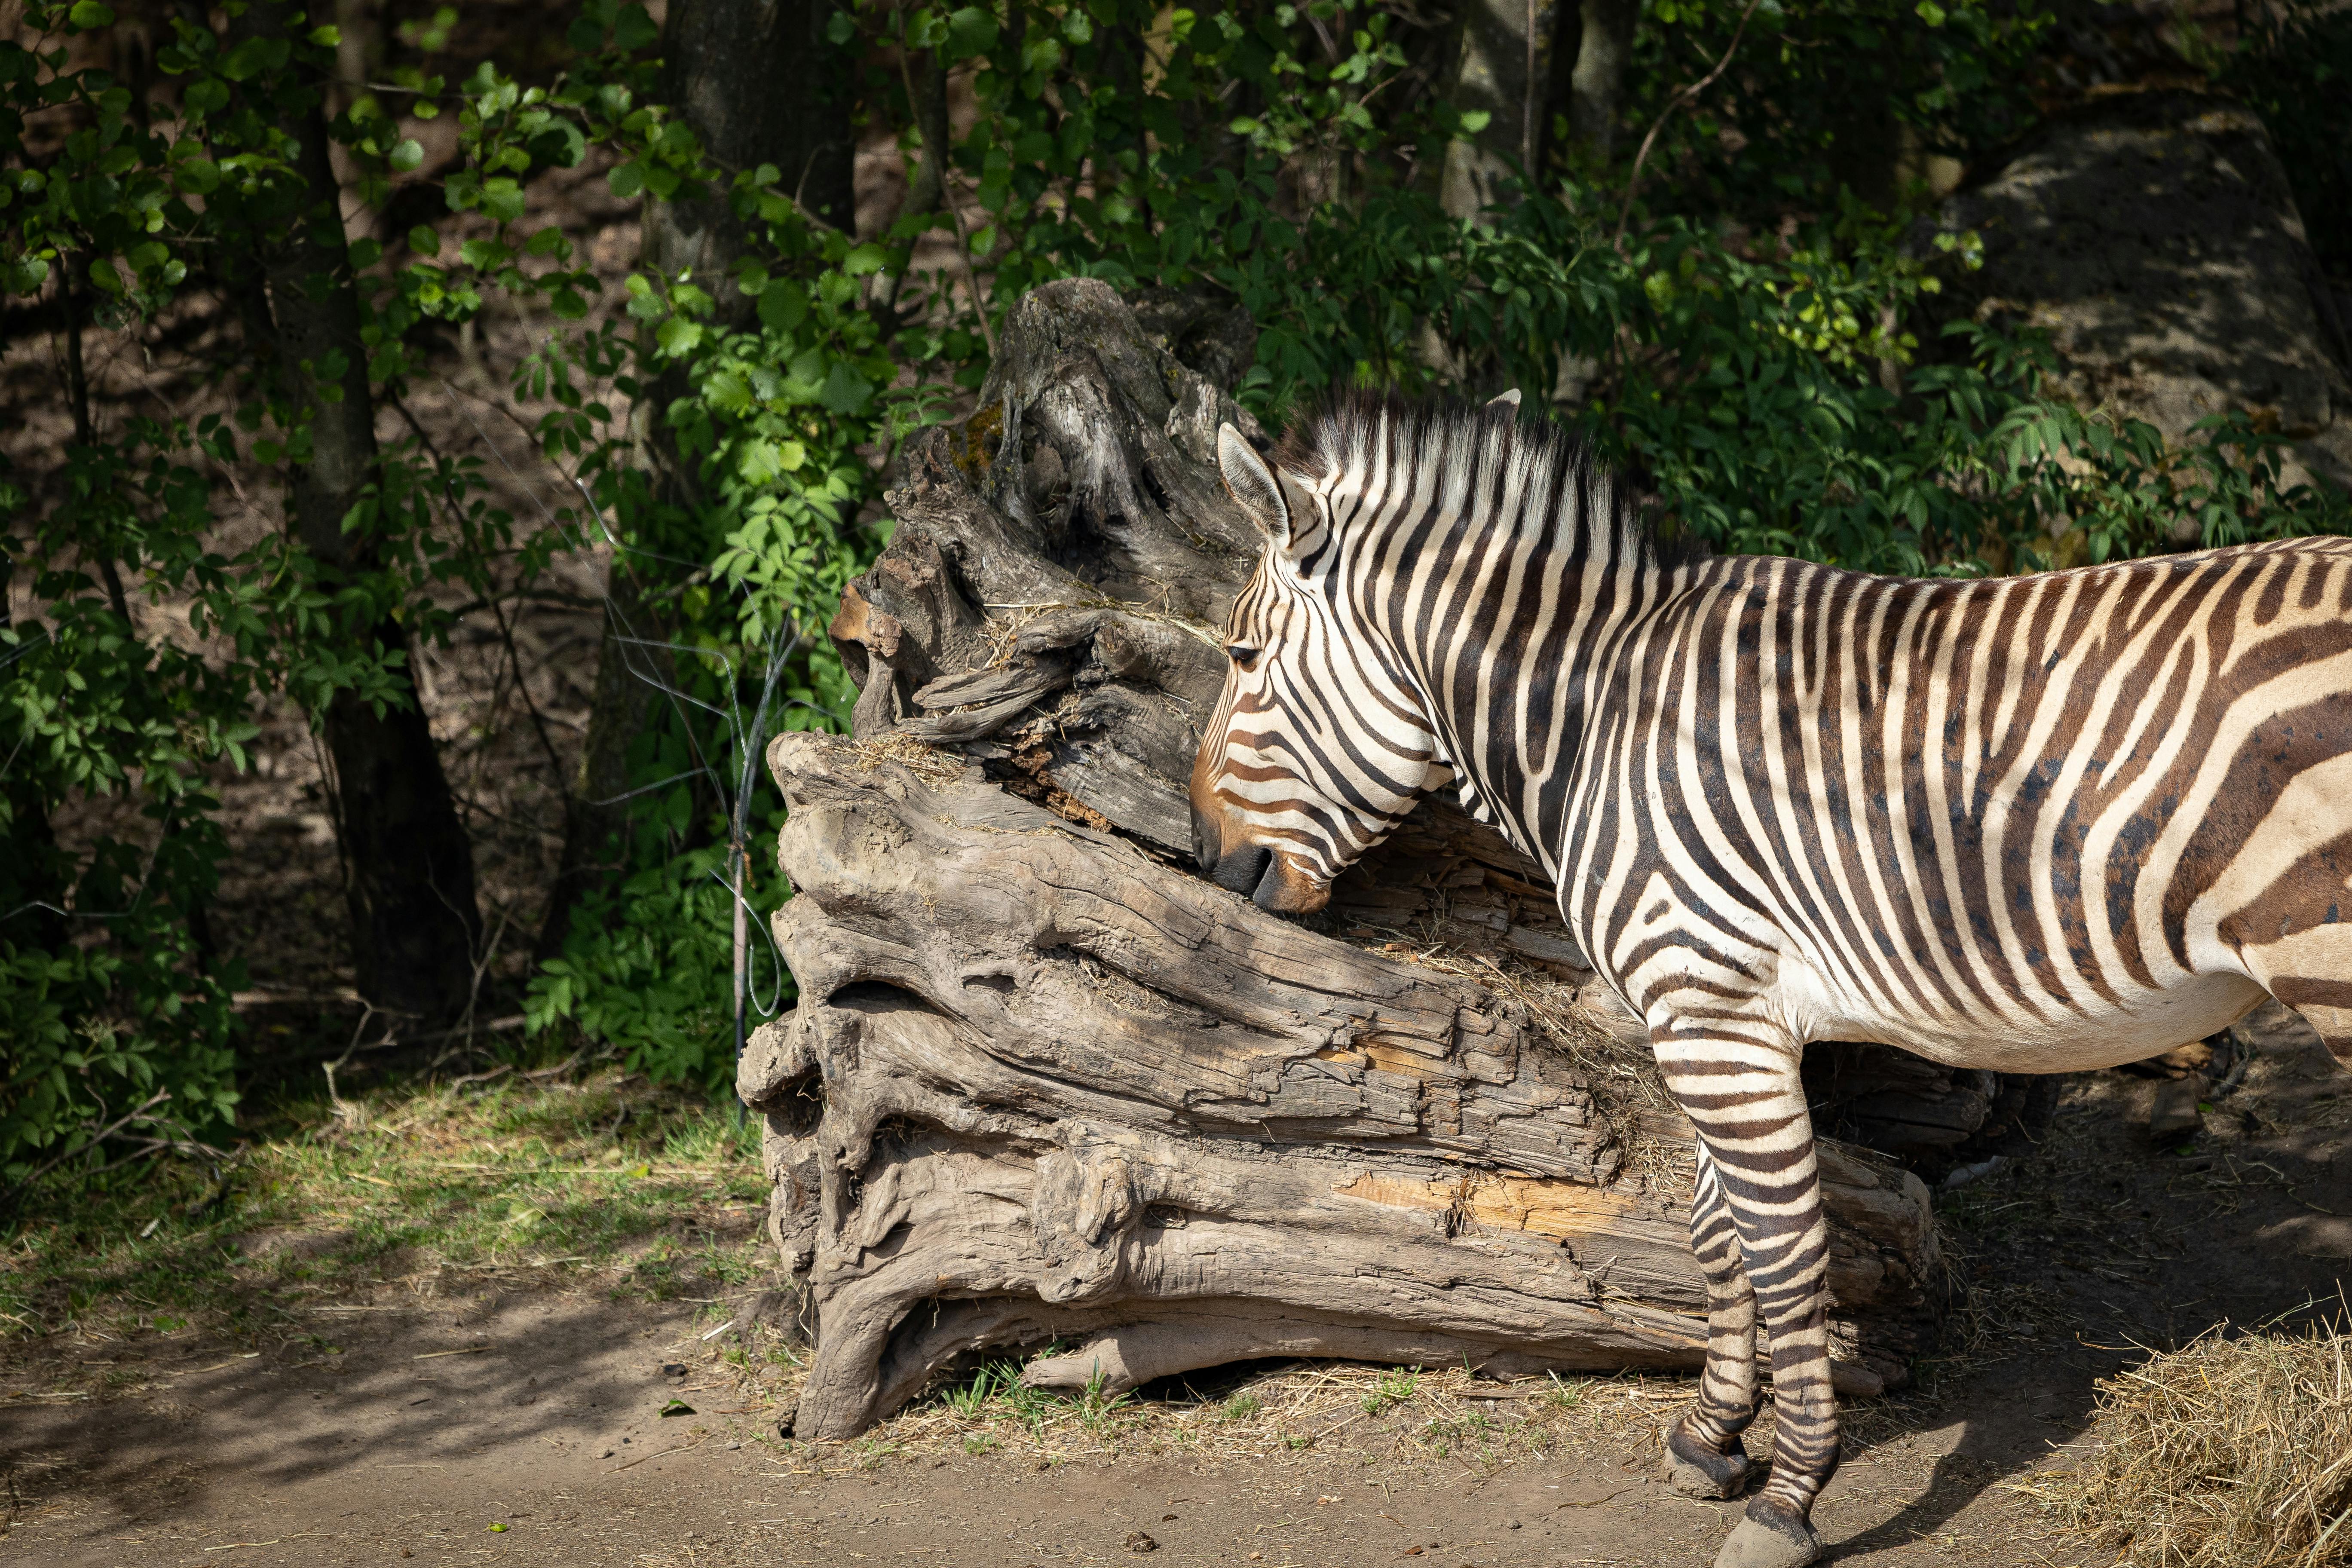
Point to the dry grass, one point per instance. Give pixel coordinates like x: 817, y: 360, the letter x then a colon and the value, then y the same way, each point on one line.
x: 2232, y: 1453
x: 1627, y: 1086
x: 927, y: 762
x: 1002, y: 631
x: 1415, y: 1415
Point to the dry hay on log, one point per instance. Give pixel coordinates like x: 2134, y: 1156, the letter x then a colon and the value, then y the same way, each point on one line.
x: 2232, y: 1453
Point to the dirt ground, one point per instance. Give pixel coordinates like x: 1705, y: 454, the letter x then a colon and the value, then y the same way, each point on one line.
x: 527, y: 1425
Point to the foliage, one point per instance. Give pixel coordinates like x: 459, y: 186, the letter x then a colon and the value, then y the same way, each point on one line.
x: 1755, y: 332
x: 1824, y: 97
x: 2295, y: 70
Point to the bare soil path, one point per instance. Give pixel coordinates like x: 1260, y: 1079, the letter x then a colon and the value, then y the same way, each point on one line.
x: 437, y: 1420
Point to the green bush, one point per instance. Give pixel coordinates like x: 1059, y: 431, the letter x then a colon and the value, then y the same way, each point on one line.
x: 1752, y: 333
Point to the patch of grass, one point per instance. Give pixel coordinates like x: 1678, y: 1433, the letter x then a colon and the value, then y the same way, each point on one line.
x: 657, y: 1189
x: 1396, y: 1387
x: 1564, y: 1396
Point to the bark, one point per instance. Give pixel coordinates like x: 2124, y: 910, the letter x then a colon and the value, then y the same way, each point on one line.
x: 1043, y: 1081
x: 409, y: 866
x: 32, y: 872
x: 629, y: 678
x: 1504, y: 67
x: 1604, y: 55
x: 759, y: 83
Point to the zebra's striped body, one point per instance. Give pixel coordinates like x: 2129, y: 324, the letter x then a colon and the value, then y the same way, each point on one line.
x: 2034, y: 825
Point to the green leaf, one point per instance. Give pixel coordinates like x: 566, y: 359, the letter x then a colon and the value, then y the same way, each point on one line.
x: 844, y: 391
x: 90, y: 14
x: 424, y: 240
x: 406, y: 156
x: 633, y: 29
x: 627, y: 179
x: 677, y: 336
x: 970, y: 31
x: 782, y: 306
x: 502, y: 199
x: 102, y: 276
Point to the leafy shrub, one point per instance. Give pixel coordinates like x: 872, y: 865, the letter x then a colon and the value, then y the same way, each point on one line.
x: 1753, y: 332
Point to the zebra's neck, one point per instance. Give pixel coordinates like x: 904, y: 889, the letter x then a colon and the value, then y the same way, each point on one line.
x: 1497, y: 563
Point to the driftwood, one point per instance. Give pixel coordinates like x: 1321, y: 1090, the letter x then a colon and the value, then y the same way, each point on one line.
x: 1044, y: 1082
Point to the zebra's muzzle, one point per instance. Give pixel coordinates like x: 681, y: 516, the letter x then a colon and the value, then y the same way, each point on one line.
x: 1244, y: 869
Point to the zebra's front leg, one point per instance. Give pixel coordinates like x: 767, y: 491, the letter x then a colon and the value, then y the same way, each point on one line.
x: 1705, y: 1458
x: 1738, y: 1084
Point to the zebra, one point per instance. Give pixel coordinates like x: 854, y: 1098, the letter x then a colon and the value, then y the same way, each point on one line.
x: 2035, y: 824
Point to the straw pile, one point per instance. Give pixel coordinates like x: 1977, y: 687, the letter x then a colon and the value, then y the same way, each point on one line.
x: 2232, y: 1453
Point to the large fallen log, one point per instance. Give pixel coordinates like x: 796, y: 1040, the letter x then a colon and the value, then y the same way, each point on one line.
x: 1044, y: 1083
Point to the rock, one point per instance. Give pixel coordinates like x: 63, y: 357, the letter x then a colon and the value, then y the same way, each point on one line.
x: 2154, y: 236
x: 2175, y: 1115
x: 1138, y: 1541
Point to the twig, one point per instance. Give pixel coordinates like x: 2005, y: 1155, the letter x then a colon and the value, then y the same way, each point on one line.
x: 641, y: 1459
x: 1633, y: 180
x: 128, y: 1117
x: 955, y: 215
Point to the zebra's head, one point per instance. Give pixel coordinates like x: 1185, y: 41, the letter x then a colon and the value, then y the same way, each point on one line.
x: 1316, y: 749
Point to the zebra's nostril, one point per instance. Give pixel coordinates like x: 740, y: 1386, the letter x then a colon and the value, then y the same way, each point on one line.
x: 1241, y: 871
x: 1204, y: 842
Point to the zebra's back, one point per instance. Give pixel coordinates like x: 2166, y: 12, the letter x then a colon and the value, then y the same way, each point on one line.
x: 2039, y: 823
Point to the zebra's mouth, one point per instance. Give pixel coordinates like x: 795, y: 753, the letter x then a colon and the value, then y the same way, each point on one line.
x: 1245, y: 871
x: 1270, y: 881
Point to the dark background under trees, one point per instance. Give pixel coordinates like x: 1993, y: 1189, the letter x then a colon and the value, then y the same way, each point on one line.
x: 438, y: 439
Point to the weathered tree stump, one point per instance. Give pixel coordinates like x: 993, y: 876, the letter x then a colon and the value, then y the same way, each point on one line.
x: 1042, y: 1082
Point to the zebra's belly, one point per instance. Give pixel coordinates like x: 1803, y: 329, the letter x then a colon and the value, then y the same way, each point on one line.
x: 2063, y: 1038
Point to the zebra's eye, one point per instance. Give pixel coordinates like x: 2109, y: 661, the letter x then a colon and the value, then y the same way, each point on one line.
x: 1241, y: 655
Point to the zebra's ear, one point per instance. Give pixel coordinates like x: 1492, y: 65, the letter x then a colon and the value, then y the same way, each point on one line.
x: 1511, y: 397
x: 1253, y: 485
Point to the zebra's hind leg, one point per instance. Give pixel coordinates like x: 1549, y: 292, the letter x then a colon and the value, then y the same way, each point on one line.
x: 1738, y: 1082
x: 1705, y: 1458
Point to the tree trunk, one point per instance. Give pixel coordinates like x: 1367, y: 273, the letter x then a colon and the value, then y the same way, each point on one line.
x: 760, y: 84
x: 1504, y: 67
x: 1604, y: 55
x: 409, y: 866
x: 1045, y: 1082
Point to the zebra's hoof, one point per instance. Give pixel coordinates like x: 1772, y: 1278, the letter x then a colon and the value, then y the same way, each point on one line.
x: 1696, y: 1469
x: 1769, y: 1538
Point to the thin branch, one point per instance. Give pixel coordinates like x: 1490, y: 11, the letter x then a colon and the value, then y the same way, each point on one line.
x: 92, y: 1142
x: 939, y: 155
x: 1633, y: 180
x: 506, y: 632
